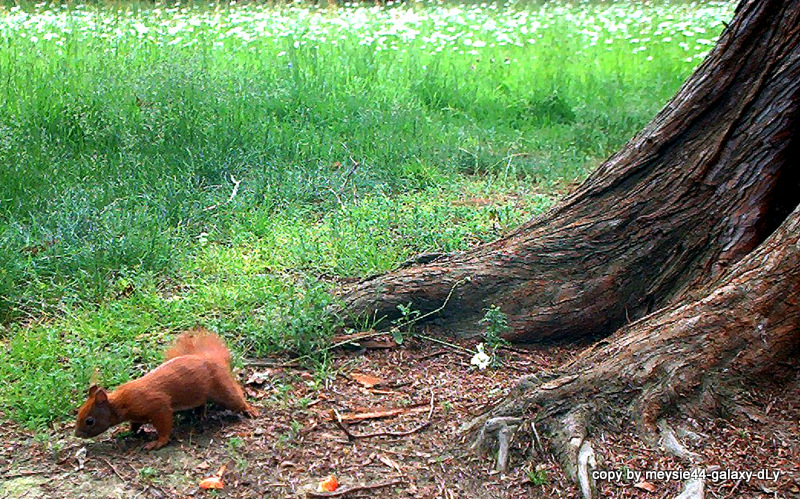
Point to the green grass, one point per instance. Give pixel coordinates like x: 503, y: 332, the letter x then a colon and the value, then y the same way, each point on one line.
x: 358, y: 136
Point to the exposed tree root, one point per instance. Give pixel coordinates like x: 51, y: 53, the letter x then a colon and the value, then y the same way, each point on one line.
x: 681, y: 359
x: 692, y: 230
x: 497, y: 433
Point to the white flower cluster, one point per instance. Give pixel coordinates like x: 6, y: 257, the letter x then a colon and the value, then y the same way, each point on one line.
x: 431, y: 28
x: 481, y: 359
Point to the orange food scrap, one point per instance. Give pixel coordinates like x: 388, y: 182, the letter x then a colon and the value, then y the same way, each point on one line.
x: 329, y: 484
x: 212, y: 482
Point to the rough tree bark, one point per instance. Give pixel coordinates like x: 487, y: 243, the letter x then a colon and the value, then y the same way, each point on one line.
x: 701, y: 186
x: 691, y: 231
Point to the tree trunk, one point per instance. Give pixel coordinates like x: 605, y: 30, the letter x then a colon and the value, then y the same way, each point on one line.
x: 693, y: 228
x: 699, y: 188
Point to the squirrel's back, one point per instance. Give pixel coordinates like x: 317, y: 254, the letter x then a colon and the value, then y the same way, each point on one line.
x: 200, y: 341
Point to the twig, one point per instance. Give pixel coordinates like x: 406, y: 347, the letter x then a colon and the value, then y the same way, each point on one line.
x: 432, y: 354
x: 444, y: 343
x: 114, y: 469
x: 536, y: 435
x: 23, y: 473
x: 235, y: 188
x: 357, y: 488
x: 233, y: 194
x: 430, y: 413
x: 270, y: 363
x: 436, y: 311
x: 349, y: 173
x: 733, y: 489
x: 337, y: 418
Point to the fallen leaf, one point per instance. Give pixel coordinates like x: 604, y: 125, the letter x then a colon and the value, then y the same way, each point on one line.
x: 259, y: 378
x: 645, y: 486
x: 388, y: 462
x: 212, y: 482
x: 203, y: 466
x: 366, y: 380
x: 328, y: 485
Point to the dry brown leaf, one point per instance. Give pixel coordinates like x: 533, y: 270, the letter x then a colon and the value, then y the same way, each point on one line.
x: 388, y: 462
x: 259, y: 378
x: 646, y: 486
x: 366, y: 380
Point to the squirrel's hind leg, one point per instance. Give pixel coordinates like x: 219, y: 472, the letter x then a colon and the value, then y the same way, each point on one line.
x: 231, y: 395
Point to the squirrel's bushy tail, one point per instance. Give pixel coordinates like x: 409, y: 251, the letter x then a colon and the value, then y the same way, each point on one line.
x: 200, y: 341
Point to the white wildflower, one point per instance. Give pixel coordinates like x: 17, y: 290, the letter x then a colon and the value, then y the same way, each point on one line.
x: 481, y: 360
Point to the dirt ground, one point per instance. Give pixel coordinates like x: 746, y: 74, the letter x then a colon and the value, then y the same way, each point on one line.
x: 425, y: 392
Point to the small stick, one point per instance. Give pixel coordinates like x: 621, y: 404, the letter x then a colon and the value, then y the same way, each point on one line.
x: 515, y: 350
x: 444, y: 343
x: 270, y: 363
x: 23, y: 473
x: 433, y: 354
x: 235, y: 188
x: 116, y: 472
x: 349, y: 173
x: 357, y: 488
x: 352, y: 436
x: 233, y: 195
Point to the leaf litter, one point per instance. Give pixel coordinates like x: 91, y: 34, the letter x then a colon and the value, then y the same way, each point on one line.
x: 401, y: 440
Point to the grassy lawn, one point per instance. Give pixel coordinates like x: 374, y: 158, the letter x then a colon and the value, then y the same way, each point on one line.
x: 163, y: 166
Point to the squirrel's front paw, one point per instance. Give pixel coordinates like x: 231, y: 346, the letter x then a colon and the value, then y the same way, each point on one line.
x: 155, y: 445
x: 251, y: 411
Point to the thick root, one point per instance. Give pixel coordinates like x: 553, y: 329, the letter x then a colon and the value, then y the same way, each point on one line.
x: 496, y: 434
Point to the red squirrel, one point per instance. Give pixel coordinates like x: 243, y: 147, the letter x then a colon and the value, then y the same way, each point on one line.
x: 196, y: 369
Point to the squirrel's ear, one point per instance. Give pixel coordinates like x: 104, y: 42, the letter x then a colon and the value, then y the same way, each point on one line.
x: 93, y: 389
x: 100, y: 396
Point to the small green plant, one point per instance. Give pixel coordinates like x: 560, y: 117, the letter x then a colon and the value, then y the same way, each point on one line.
x: 148, y: 474
x: 537, y: 476
x: 403, y: 324
x: 289, y: 438
x: 234, y: 444
x: 296, y: 426
x: 496, y: 324
x: 447, y: 406
x: 241, y: 463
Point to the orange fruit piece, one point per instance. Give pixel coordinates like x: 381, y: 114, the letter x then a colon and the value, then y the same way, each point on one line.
x: 213, y: 482
x: 329, y: 484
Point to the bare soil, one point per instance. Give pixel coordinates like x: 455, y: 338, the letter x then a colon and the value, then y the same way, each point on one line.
x: 294, y: 444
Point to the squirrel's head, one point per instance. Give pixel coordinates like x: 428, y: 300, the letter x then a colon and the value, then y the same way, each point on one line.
x: 94, y: 416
